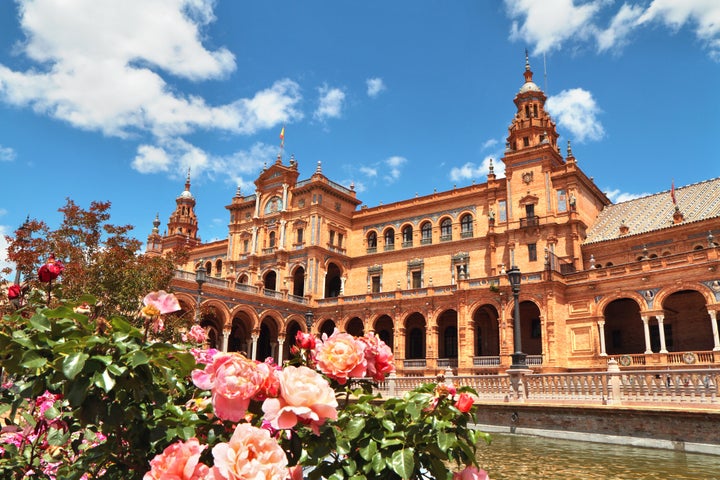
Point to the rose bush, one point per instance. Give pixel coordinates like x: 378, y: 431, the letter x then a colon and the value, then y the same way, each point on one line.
x: 90, y: 397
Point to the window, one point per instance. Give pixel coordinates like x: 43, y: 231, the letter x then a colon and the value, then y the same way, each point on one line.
x: 389, y: 239
x: 246, y: 245
x: 535, y: 110
x: 340, y: 240
x: 416, y: 279
x: 561, y: 201
x: 300, y: 233
x: 466, y: 226
x: 271, y: 240
x: 502, y: 211
x: 532, y: 252
x: 332, y: 237
x: 526, y: 141
x: 375, y: 284
x: 407, y: 234
x: 527, y: 111
x: 426, y: 233
x: 371, y: 242
x: 446, y: 230
x: 530, y: 210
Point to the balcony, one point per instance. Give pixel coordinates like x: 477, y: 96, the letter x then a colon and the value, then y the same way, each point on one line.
x: 529, y: 222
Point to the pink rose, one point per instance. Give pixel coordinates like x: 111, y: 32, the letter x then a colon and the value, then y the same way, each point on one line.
x: 164, y: 302
x: 305, y: 396
x: 270, y: 385
x: 179, y: 461
x: 233, y: 380
x: 471, y: 473
x: 380, y: 361
x: 196, y: 334
x: 305, y: 340
x: 464, y: 402
x: 14, y: 291
x: 250, y: 453
x: 341, y: 356
x: 203, y: 356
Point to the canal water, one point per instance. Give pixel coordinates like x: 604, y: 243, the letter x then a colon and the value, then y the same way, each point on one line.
x: 518, y: 457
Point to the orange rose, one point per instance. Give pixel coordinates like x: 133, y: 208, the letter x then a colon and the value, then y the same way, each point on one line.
x: 341, y: 356
x: 180, y: 461
x: 250, y: 453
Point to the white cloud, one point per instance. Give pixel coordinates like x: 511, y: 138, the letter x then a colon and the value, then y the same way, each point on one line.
x: 472, y: 171
x: 620, y: 27
x: 576, y: 111
x: 489, y: 143
x: 375, y: 86
x: 151, y: 159
x: 108, y: 66
x: 369, y: 171
x: 704, y: 15
x: 330, y: 104
x: 549, y: 23
x: 7, y: 154
x: 394, y: 163
x: 616, y: 196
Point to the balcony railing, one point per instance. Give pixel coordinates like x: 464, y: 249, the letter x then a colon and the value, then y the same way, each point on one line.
x: 447, y: 362
x: 244, y: 287
x: 414, y: 363
x: 529, y: 222
x: 486, y: 361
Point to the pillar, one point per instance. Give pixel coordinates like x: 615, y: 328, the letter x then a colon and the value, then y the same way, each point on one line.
x: 281, y: 245
x: 225, y: 339
x: 716, y: 338
x: 661, y: 328
x: 257, y: 203
x: 601, y: 332
x: 281, y: 342
x: 646, y: 328
x: 255, y: 337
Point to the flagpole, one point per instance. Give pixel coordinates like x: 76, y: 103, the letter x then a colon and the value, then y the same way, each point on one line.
x: 282, y: 141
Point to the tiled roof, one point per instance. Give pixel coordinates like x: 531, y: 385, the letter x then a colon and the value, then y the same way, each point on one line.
x: 699, y: 201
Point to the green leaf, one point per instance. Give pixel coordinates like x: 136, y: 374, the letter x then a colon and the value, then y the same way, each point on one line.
x: 138, y: 358
x: 378, y: 462
x: 403, y: 462
x: 73, y: 364
x: 354, y: 427
x: 40, y: 323
x: 104, y: 381
x: 368, y: 451
x: 33, y: 360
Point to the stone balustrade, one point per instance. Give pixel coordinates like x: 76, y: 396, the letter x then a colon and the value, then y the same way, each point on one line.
x: 699, y: 386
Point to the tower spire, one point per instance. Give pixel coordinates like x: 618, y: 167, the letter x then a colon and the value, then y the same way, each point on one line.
x: 187, y: 181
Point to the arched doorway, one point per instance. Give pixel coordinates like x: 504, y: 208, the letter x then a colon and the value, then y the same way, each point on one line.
x: 267, y: 341
x: 327, y: 327
x: 415, y: 328
x: 530, y: 328
x: 487, y: 332
x: 355, y: 327
x: 332, y: 281
x: 623, y: 327
x: 240, y: 340
x: 385, y: 330
x: 687, y: 324
x: 447, y: 338
x: 270, y: 280
x: 299, y: 282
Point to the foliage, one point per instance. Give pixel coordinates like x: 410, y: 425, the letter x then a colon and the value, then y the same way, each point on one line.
x: 89, y: 397
x: 101, y: 258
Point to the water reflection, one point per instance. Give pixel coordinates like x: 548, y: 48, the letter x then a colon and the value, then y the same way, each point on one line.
x: 511, y: 457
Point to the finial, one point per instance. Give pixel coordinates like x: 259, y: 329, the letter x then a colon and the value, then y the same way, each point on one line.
x: 187, y: 180
x: 491, y: 168
x: 352, y: 185
x: 318, y: 170
x: 292, y: 159
x: 238, y: 192
x: 527, y: 60
x: 569, y: 149
x: 265, y: 165
x: 156, y: 223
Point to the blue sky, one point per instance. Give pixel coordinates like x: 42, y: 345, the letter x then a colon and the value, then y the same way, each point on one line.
x: 114, y: 101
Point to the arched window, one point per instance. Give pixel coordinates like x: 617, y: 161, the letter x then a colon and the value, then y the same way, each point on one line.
x: 271, y: 240
x: 407, y: 233
x: 426, y: 233
x: 218, y: 267
x: 372, y: 241
x: 466, y: 226
x: 446, y: 230
x: 389, y: 239
x: 208, y: 268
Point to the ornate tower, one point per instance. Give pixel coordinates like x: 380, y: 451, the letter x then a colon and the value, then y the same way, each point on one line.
x: 182, y: 227
x: 154, y: 240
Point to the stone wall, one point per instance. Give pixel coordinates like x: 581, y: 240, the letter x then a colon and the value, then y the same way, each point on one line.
x: 663, y: 428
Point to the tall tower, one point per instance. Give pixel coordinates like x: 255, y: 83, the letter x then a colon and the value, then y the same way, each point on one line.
x: 154, y: 240
x: 182, y: 227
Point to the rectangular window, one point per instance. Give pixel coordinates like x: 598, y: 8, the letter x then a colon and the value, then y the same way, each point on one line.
x: 246, y: 245
x: 375, y: 284
x: 532, y: 252
x: 526, y: 141
x: 340, y: 240
x: 300, y: 233
x: 417, y: 279
x: 502, y: 211
x: 561, y: 201
x: 332, y: 237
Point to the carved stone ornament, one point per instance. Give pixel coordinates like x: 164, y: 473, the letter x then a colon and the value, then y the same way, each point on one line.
x: 527, y: 177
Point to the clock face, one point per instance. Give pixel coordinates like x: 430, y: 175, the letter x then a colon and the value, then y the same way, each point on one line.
x: 527, y: 177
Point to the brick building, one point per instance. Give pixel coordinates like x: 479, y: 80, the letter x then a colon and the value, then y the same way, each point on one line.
x: 637, y: 281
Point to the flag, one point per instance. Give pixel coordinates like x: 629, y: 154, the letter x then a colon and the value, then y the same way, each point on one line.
x: 282, y: 137
x: 672, y: 193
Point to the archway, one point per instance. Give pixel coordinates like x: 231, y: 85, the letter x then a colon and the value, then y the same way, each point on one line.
x: 415, y: 328
x: 270, y: 280
x: 291, y: 332
x: 332, y: 281
x: 299, y: 282
x: 530, y: 328
x: 267, y: 341
x: 687, y: 323
x: 355, y: 327
x: 448, y: 334
x: 623, y: 327
x: 240, y: 340
x: 385, y: 329
x: 327, y: 327
x: 487, y: 333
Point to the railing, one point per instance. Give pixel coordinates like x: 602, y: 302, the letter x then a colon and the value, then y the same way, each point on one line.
x: 217, y: 281
x: 447, y: 362
x: 297, y: 299
x: 273, y: 294
x: 534, y: 360
x: 673, y: 387
x: 244, y: 287
x: 414, y: 363
x: 529, y: 222
x: 486, y: 361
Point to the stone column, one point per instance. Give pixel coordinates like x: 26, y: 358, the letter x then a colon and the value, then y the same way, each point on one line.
x: 285, y: 196
x: 281, y: 245
x: 716, y: 338
x: 661, y: 328
x: 253, y: 250
x: 646, y: 328
x: 431, y: 351
x: 257, y: 203
x: 281, y: 342
x: 225, y: 339
x: 343, y: 279
x: 255, y: 337
x: 601, y: 329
